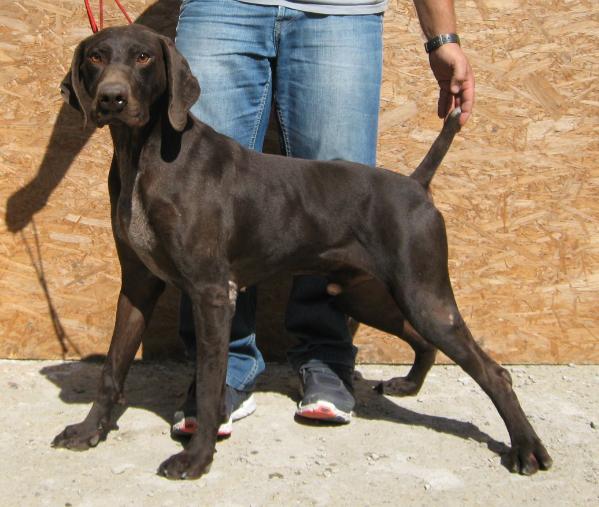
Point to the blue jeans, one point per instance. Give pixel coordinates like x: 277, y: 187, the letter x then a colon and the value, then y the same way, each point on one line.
x: 324, y: 74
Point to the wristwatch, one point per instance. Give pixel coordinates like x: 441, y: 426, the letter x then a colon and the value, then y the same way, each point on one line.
x: 439, y: 40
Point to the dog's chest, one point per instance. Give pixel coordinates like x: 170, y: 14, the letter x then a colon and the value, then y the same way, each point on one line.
x: 140, y: 234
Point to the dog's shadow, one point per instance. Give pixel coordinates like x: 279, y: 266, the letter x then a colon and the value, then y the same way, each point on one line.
x: 161, y: 387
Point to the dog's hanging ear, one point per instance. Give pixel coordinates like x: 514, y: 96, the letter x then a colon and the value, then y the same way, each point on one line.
x: 72, y: 89
x: 183, y: 87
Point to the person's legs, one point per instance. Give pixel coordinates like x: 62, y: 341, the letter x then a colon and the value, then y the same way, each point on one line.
x: 327, y: 91
x: 229, y: 46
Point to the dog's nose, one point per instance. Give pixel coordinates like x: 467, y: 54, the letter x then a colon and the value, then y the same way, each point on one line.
x: 112, y: 97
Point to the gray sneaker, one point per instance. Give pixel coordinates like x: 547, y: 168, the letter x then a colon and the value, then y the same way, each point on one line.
x: 327, y: 393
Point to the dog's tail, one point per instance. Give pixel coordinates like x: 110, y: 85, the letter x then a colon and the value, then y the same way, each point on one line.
x: 424, y: 173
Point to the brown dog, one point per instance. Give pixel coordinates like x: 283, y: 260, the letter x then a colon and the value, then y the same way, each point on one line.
x: 194, y: 208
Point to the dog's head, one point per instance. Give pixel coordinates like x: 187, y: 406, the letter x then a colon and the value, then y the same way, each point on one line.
x: 118, y: 73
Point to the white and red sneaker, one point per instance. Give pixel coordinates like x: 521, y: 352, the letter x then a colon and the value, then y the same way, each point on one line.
x: 238, y: 404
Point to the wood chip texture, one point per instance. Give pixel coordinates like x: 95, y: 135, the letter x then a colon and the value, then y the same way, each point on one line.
x: 518, y: 189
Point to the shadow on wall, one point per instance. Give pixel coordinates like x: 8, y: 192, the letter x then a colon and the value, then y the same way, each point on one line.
x: 66, y: 141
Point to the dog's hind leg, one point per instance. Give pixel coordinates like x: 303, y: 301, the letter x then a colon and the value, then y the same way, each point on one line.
x: 424, y: 359
x: 369, y: 301
x: 139, y: 292
x: 423, y: 292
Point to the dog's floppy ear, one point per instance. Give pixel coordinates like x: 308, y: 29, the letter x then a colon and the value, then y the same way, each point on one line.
x: 72, y: 89
x: 183, y: 88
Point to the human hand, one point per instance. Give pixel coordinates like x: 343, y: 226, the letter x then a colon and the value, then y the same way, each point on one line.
x: 456, y: 80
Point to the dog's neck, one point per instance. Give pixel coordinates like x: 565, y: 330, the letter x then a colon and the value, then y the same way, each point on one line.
x: 128, y: 143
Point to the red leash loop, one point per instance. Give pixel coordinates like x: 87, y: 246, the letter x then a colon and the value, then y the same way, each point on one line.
x: 92, y: 19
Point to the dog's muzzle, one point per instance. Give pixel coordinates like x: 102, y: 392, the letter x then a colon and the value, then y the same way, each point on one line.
x: 115, y: 102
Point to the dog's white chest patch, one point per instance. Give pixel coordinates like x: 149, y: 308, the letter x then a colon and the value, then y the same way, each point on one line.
x: 141, y: 236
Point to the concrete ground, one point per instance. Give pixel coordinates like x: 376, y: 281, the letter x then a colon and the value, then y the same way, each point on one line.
x: 441, y: 447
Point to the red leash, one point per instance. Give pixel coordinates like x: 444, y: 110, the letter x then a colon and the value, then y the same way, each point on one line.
x: 92, y: 19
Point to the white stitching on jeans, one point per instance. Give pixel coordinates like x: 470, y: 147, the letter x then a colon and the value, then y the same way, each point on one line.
x: 260, y: 117
x: 283, y: 131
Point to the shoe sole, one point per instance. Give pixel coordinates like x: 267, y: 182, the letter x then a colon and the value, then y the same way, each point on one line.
x: 187, y: 426
x: 248, y: 407
x: 323, y: 411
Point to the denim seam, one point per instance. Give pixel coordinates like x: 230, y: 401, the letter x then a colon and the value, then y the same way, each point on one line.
x: 250, y: 376
x: 282, y: 23
x: 276, y: 30
x: 283, y: 129
x: 260, y: 116
x: 286, y: 20
x: 181, y: 9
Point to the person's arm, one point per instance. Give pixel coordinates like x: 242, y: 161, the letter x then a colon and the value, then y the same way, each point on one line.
x: 448, y: 62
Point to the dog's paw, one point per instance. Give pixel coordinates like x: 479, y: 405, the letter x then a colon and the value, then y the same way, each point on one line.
x: 183, y: 466
x: 527, y: 458
x: 77, y: 437
x: 398, y: 386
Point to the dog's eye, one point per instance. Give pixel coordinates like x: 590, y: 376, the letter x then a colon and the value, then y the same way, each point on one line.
x: 143, y: 58
x: 95, y: 58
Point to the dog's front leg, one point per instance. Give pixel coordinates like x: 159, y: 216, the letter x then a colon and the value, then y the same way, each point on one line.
x: 139, y: 293
x: 213, y: 307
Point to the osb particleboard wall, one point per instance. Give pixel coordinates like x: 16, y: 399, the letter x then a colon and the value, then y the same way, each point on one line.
x: 518, y: 189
